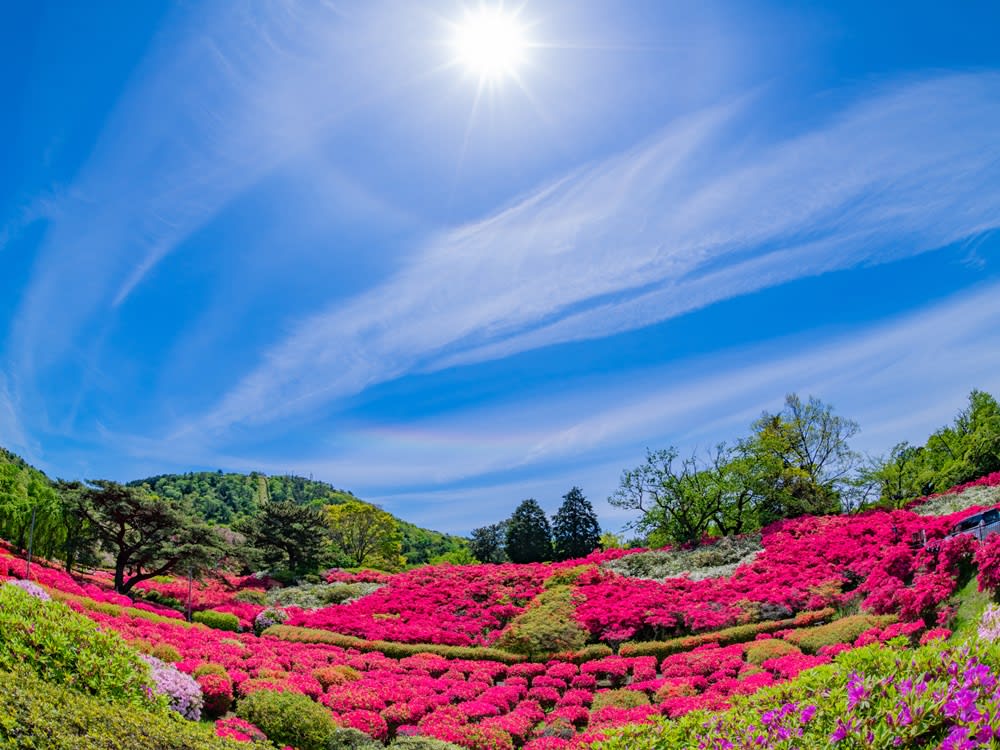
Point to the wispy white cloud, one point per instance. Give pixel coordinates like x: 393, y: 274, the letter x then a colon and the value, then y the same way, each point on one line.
x: 686, y: 219
x: 227, y: 92
x: 12, y: 434
x: 901, y: 379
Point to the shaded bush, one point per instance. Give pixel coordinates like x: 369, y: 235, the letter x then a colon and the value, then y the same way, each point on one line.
x: 288, y: 719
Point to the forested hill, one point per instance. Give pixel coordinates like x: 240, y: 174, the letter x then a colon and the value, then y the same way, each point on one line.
x: 224, y: 497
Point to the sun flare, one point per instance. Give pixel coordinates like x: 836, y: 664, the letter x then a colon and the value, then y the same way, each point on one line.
x: 490, y: 43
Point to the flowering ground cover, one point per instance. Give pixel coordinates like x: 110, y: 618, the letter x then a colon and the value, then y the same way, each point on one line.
x: 683, y: 645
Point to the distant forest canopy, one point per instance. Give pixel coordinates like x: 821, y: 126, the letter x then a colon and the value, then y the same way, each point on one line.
x: 796, y: 461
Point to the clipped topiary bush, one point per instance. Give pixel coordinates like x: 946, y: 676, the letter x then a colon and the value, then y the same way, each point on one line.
x: 66, y: 648
x: 209, y: 667
x: 547, y: 626
x: 339, y: 674
x: 760, y: 651
x: 289, y: 719
x: 620, y: 698
x: 267, y: 618
x: 41, y: 716
x: 166, y: 652
x: 218, y: 620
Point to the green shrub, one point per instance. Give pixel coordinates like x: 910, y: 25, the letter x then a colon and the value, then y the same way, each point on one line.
x: 760, y: 651
x: 621, y: 698
x: 115, y: 610
x: 166, y: 652
x: 251, y: 596
x: 66, y: 648
x: 422, y: 743
x: 338, y: 674
x: 345, y: 738
x: 724, y: 637
x: 844, y: 630
x: 546, y: 627
x: 40, y: 716
x: 218, y: 620
x: 593, y: 652
x: 565, y: 577
x: 389, y: 648
x: 210, y: 667
x: 289, y: 719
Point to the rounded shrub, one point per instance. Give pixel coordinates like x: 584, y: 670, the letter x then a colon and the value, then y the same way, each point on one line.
x: 621, y: 698
x: 251, y: 596
x: 760, y: 651
x: 210, y: 667
x: 422, y: 743
x: 218, y: 620
x: 268, y: 617
x: 339, y: 674
x: 289, y: 719
x: 165, y: 652
x: 348, y: 738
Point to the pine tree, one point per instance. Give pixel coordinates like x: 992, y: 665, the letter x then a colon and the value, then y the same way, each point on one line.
x: 575, y: 530
x: 529, y: 537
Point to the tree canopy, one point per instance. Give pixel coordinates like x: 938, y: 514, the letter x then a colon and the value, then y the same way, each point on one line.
x: 529, y: 536
x: 575, y: 530
x: 364, y: 534
x: 145, y: 534
x: 288, y: 537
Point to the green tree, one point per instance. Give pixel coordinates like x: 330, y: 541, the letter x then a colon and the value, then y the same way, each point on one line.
x: 529, y: 537
x: 146, y: 535
x: 365, y: 534
x: 286, y: 535
x: 25, y: 490
x: 488, y: 543
x: 575, y: 530
x: 806, y: 448
x: 679, y: 501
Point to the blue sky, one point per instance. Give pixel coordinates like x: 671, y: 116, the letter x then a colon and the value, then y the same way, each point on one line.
x: 297, y: 237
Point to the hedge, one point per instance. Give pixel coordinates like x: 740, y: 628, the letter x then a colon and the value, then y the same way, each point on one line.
x: 724, y: 637
x: 389, y: 648
x: 35, y: 715
x: 844, y: 630
x: 218, y: 620
x: 116, y: 610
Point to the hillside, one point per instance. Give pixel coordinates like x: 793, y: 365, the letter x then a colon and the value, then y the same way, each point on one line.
x: 224, y: 497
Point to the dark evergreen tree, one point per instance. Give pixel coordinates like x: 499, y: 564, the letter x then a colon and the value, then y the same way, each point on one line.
x: 529, y: 537
x: 146, y: 535
x: 287, y: 536
x: 487, y: 543
x: 575, y: 530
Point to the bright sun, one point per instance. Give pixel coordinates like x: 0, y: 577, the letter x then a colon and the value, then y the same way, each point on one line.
x: 490, y: 43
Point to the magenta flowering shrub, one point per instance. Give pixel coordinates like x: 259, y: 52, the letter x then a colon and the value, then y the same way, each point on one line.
x: 987, y: 559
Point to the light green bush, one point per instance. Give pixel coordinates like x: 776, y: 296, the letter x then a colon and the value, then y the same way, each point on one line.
x: 40, y: 716
x: 218, y: 620
x: 547, y: 626
x: 66, y: 648
x: 289, y: 719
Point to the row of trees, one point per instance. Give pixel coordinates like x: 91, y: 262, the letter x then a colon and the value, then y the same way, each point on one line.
x: 140, y: 534
x: 527, y: 536
x: 799, y: 461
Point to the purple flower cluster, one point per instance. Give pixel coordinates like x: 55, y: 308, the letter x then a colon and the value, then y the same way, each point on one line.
x: 32, y: 588
x: 182, y: 691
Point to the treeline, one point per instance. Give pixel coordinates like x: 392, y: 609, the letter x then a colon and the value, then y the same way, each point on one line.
x: 527, y: 536
x: 799, y: 461
x: 291, y: 526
